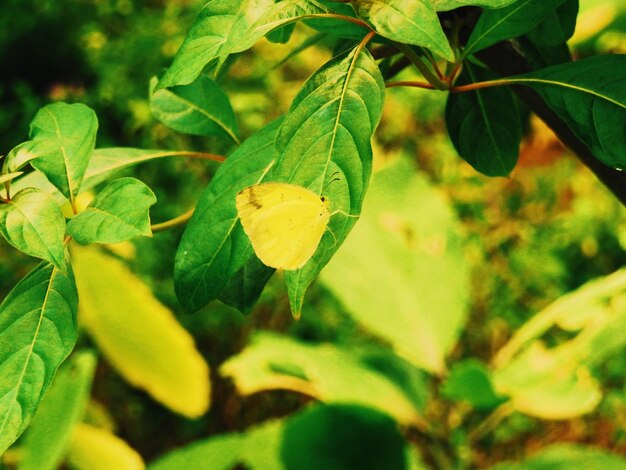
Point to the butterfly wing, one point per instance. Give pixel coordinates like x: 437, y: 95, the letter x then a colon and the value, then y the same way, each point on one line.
x: 284, y: 222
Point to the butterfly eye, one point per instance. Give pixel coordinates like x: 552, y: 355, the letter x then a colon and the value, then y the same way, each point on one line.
x: 323, y: 199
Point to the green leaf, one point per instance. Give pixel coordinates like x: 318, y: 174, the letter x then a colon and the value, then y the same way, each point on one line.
x: 225, y: 27
x: 119, y: 212
x: 396, y: 300
x: 407, y: 21
x: 325, y: 137
x: 245, y: 286
x: 325, y: 372
x: 361, y: 438
x: 504, y: 23
x: 49, y: 435
x: 214, y: 247
x: 200, y: 108
x: 567, y: 457
x: 98, y: 449
x: 446, y: 5
x: 20, y: 156
x: 547, y: 44
x: 282, y: 34
x: 37, y: 332
x: 484, y: 125
x: 63, y: 138
x: 10, y: 176
x: 33, y: 223
x: 590, y: 96
x: 470, y: 381
x: 139, y: 336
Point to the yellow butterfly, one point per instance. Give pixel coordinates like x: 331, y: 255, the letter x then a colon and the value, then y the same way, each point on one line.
x: 284, y: 222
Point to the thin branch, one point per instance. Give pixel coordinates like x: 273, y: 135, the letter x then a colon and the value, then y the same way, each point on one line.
x: 175, y: 222
x: 413, y: 84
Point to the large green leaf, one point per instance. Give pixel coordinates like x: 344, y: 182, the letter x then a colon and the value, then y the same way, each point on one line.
x: 50, y: 433
x: 590, y: 96
x: 484, y: 124
x: 567, y: 457
x: 63, y: 137
x: 401, y: 278
x: 224, y: 27
x: 33, y: 223
x: 214, y: 247
x: 324, y: 371
x: 119, y: 212
x: 200, y: 108
x: 325, y: 138
x: 37, y: 332
x: 504, y: 23
x: 446, y: 5
x: 407, y: 21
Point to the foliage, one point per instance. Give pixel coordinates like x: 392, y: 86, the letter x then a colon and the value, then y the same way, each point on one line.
x: 443, y: 325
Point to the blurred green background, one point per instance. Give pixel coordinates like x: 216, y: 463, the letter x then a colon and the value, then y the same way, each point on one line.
x: 527, y: 239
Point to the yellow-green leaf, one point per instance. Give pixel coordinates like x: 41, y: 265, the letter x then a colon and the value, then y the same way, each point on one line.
x: 97, y: 449
x: 138, y: 335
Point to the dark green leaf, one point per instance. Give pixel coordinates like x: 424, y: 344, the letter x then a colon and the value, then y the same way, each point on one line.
x: 326, y: 136
x: 407, y: 21
x: 49, y: 435
x: 341, y: 437
x: 63, y: 137
x: 547, y: 44
x: 224, y: 27
x: 446, y: 5
x: 200, y: 108
x: 33, y: 223
x: 119, y: 212
x: 470, y: 381
x: 282, y: 34
x: 504, y: 23
x: 214, y: 247
x: 245, y: 286
x: 37, y: 332
x: 590, y: 96
x: 484, y: 125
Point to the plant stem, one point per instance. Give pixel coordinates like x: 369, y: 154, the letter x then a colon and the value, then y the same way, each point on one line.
x: 416, y: 60
x: 349, y: 19
x: 491, y: 421
x: 175, y: 222
x: 200, y: 155
x: 413, y: 84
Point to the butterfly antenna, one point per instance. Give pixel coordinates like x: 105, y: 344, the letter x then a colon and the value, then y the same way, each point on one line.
x: 333, y: 178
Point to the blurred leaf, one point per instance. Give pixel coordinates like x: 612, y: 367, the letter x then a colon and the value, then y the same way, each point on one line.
x: 418, y: 301
x: 214, y: 247
x: 548, y: 384
x: 37, y: 333
x: 361, y: 438
x: 519, y: 18
x: 119, y: 212
x: 567, y: 457
x: 224, y: 27
x: 590, y: 96
x: 63, y: 138
x: 282, y: 34
x: 446, y: 5
x: 33, y: 223
x: 325, y: 137
x: 257, y: 447
x: 267, y: 447
x: 470, y: 380
x: 407, y: 21
x: 200, y: 108
x: 138, y: 335
x: 48, y: 437
x: 484, y: 125
x: 325, y: 372
x: 92, y: 448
